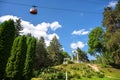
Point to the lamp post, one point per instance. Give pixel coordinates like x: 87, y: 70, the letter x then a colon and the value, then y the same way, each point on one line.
x: 66, y: 76
x: 65, y: 62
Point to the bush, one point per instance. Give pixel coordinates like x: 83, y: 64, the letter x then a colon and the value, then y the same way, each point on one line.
x: 60, y: 75
x: 89, y: 76
x: 70, y: 76
x: 53, y: 77
x: 83, y: 75
x: 64, y: 65
x: 70, y: 62
x: 77, y: 76
x: 100, y: 75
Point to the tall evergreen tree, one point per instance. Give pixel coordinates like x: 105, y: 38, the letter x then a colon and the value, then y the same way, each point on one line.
x: 55, y: 51
x: 18, y: 27
x: 15, y: 64
x: 41, y: 54
x: 30, y: 58
x: 7, y: 35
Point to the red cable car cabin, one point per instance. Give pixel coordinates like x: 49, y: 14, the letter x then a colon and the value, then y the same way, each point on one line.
x: 33, y: 10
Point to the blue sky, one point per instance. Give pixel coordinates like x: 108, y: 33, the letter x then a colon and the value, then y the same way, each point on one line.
x: 70, y: 20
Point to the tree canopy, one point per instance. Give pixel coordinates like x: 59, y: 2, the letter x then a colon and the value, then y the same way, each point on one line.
x: 95, y: 41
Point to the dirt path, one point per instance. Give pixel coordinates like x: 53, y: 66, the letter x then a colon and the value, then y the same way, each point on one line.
x: 94, y: 67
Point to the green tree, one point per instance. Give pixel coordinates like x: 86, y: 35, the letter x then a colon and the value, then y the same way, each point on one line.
x: 30, y: 58
x: 113, y: 48
x: 41, y: 54
x: 7, y: 35
x: 15, y: 64
x: 95, y: 41
x: 111, y: 22
x: 55, y: 51
x: 18, y: 27
x: 65, y: 54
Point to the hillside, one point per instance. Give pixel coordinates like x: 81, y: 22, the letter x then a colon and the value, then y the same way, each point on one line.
x: 80, y: 71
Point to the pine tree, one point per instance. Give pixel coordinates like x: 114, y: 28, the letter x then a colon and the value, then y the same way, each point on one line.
x: 55, y: 51
x: 30, y: 58
x: 18, y: 27
x: 15, y: 65
x: 41, y: 54
x: 7, y: 35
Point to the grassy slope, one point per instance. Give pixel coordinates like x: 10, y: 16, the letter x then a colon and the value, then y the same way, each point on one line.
x: 81, y: 72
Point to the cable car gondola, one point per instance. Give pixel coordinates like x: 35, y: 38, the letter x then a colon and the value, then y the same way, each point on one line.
x: 33, y: 10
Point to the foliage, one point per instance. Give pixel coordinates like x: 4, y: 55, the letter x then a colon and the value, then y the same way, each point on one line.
x: 55, y: 52
x: 65, y: 54
x: 78, y: 72
x: 70, y: 62
x: 100, y: 75
x: 15, y: 65
x: 95, y: 41
x: 106, y: 42
x: 18, y: 27
x: 41, y: 59
x: 111, y: 22
x: 7, y: 35
x: 49, y: 56
x: 30, y: 58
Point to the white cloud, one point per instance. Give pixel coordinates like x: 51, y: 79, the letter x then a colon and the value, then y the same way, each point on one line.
x: 7, y: 17
x: 80, y: 32
x: 112, y: 4
x: 55, y: 25
x: 43, y: 26
x: 38, y: 30
x: 78, y: 44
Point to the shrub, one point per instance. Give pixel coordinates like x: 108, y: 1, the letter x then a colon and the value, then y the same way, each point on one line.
x: 83, y: 75
x: 70, y: 62
x: 60, y: 75
x: 76, y: 75
x: 89, y: 76
x: 100, y: 75
x: 70, y: 76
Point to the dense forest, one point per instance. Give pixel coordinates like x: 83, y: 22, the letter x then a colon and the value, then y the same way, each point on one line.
x: 22, y: 55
